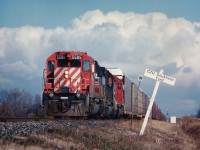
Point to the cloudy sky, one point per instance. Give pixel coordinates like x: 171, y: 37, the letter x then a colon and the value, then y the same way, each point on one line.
x: 131, y: 35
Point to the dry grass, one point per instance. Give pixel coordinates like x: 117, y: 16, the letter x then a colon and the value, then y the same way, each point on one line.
x: 191, y: 126
x: 115, y: 134
x: 93, y: 138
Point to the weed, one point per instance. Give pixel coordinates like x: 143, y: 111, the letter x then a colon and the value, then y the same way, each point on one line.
x: 191, y: 126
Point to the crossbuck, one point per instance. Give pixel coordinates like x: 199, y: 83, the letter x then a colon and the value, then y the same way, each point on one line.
x: 159, y: 77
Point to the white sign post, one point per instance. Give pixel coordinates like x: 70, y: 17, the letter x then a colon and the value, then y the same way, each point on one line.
x: 160, y: 78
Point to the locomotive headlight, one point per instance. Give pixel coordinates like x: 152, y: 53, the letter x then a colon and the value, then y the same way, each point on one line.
x: 66, y: 76
x: 78, y: 93
x: 66, y: 72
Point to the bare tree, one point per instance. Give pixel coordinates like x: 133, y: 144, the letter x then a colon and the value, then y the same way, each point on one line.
x: 6, y: 105
x: 38, y: 99
x: 27, y: 99
x: 6, y: 109
x: 14, y: 103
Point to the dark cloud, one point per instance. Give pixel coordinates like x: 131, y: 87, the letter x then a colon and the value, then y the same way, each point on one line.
x: 171, y: 68
x: 197, y: 28
x: 187, y: 70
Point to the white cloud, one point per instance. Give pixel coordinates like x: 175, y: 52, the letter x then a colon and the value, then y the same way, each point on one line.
x: 135, y: 41
x: 130, y: 41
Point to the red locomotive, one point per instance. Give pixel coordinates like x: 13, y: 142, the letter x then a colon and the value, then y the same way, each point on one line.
x: 76, y: 85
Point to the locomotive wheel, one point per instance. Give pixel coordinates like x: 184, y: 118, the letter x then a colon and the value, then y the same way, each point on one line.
x: 121, y: 116
x: 87, y: 105
x: 50, y: 111
x: 87, y: 100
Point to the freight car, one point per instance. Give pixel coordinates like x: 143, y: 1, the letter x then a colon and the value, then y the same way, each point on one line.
x: 132, y: 99
x: 76, y: 85
x: 157, y: 113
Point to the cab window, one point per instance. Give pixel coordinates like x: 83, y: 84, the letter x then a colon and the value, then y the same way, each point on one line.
x: 62, y: 62
x: 86, y: 65
x: 50, y: 65
x: 75, y: 63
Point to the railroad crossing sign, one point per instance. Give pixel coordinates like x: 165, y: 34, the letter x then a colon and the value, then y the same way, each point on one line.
x: 159, y: 77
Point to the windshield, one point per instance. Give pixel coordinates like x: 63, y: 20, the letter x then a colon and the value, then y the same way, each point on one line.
x: 69, y: 63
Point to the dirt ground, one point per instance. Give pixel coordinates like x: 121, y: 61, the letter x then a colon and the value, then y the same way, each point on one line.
x: 112, y: 134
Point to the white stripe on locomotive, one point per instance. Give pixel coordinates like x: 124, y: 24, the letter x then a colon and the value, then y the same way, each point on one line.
x: 57, y: 78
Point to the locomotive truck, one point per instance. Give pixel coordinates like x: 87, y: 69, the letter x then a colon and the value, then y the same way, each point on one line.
x: 74, y: 84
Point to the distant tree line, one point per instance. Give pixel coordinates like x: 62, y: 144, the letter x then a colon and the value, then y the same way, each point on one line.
x: 19, y: 103
x: 198, y: 113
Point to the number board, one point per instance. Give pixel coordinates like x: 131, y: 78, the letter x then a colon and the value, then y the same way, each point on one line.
x: 60, y: 56
x: 76, y: 57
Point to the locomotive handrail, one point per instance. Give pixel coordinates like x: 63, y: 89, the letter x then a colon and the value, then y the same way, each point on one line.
x: 44, y: 71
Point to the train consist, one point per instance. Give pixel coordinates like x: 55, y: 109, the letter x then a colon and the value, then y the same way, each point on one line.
x: 76, y: 85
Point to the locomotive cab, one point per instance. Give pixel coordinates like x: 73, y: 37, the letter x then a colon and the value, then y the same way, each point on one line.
x: 66, y: 82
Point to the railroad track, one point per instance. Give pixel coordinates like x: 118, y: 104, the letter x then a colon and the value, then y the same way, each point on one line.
x: 24, y: 119
x: 35, y: 119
